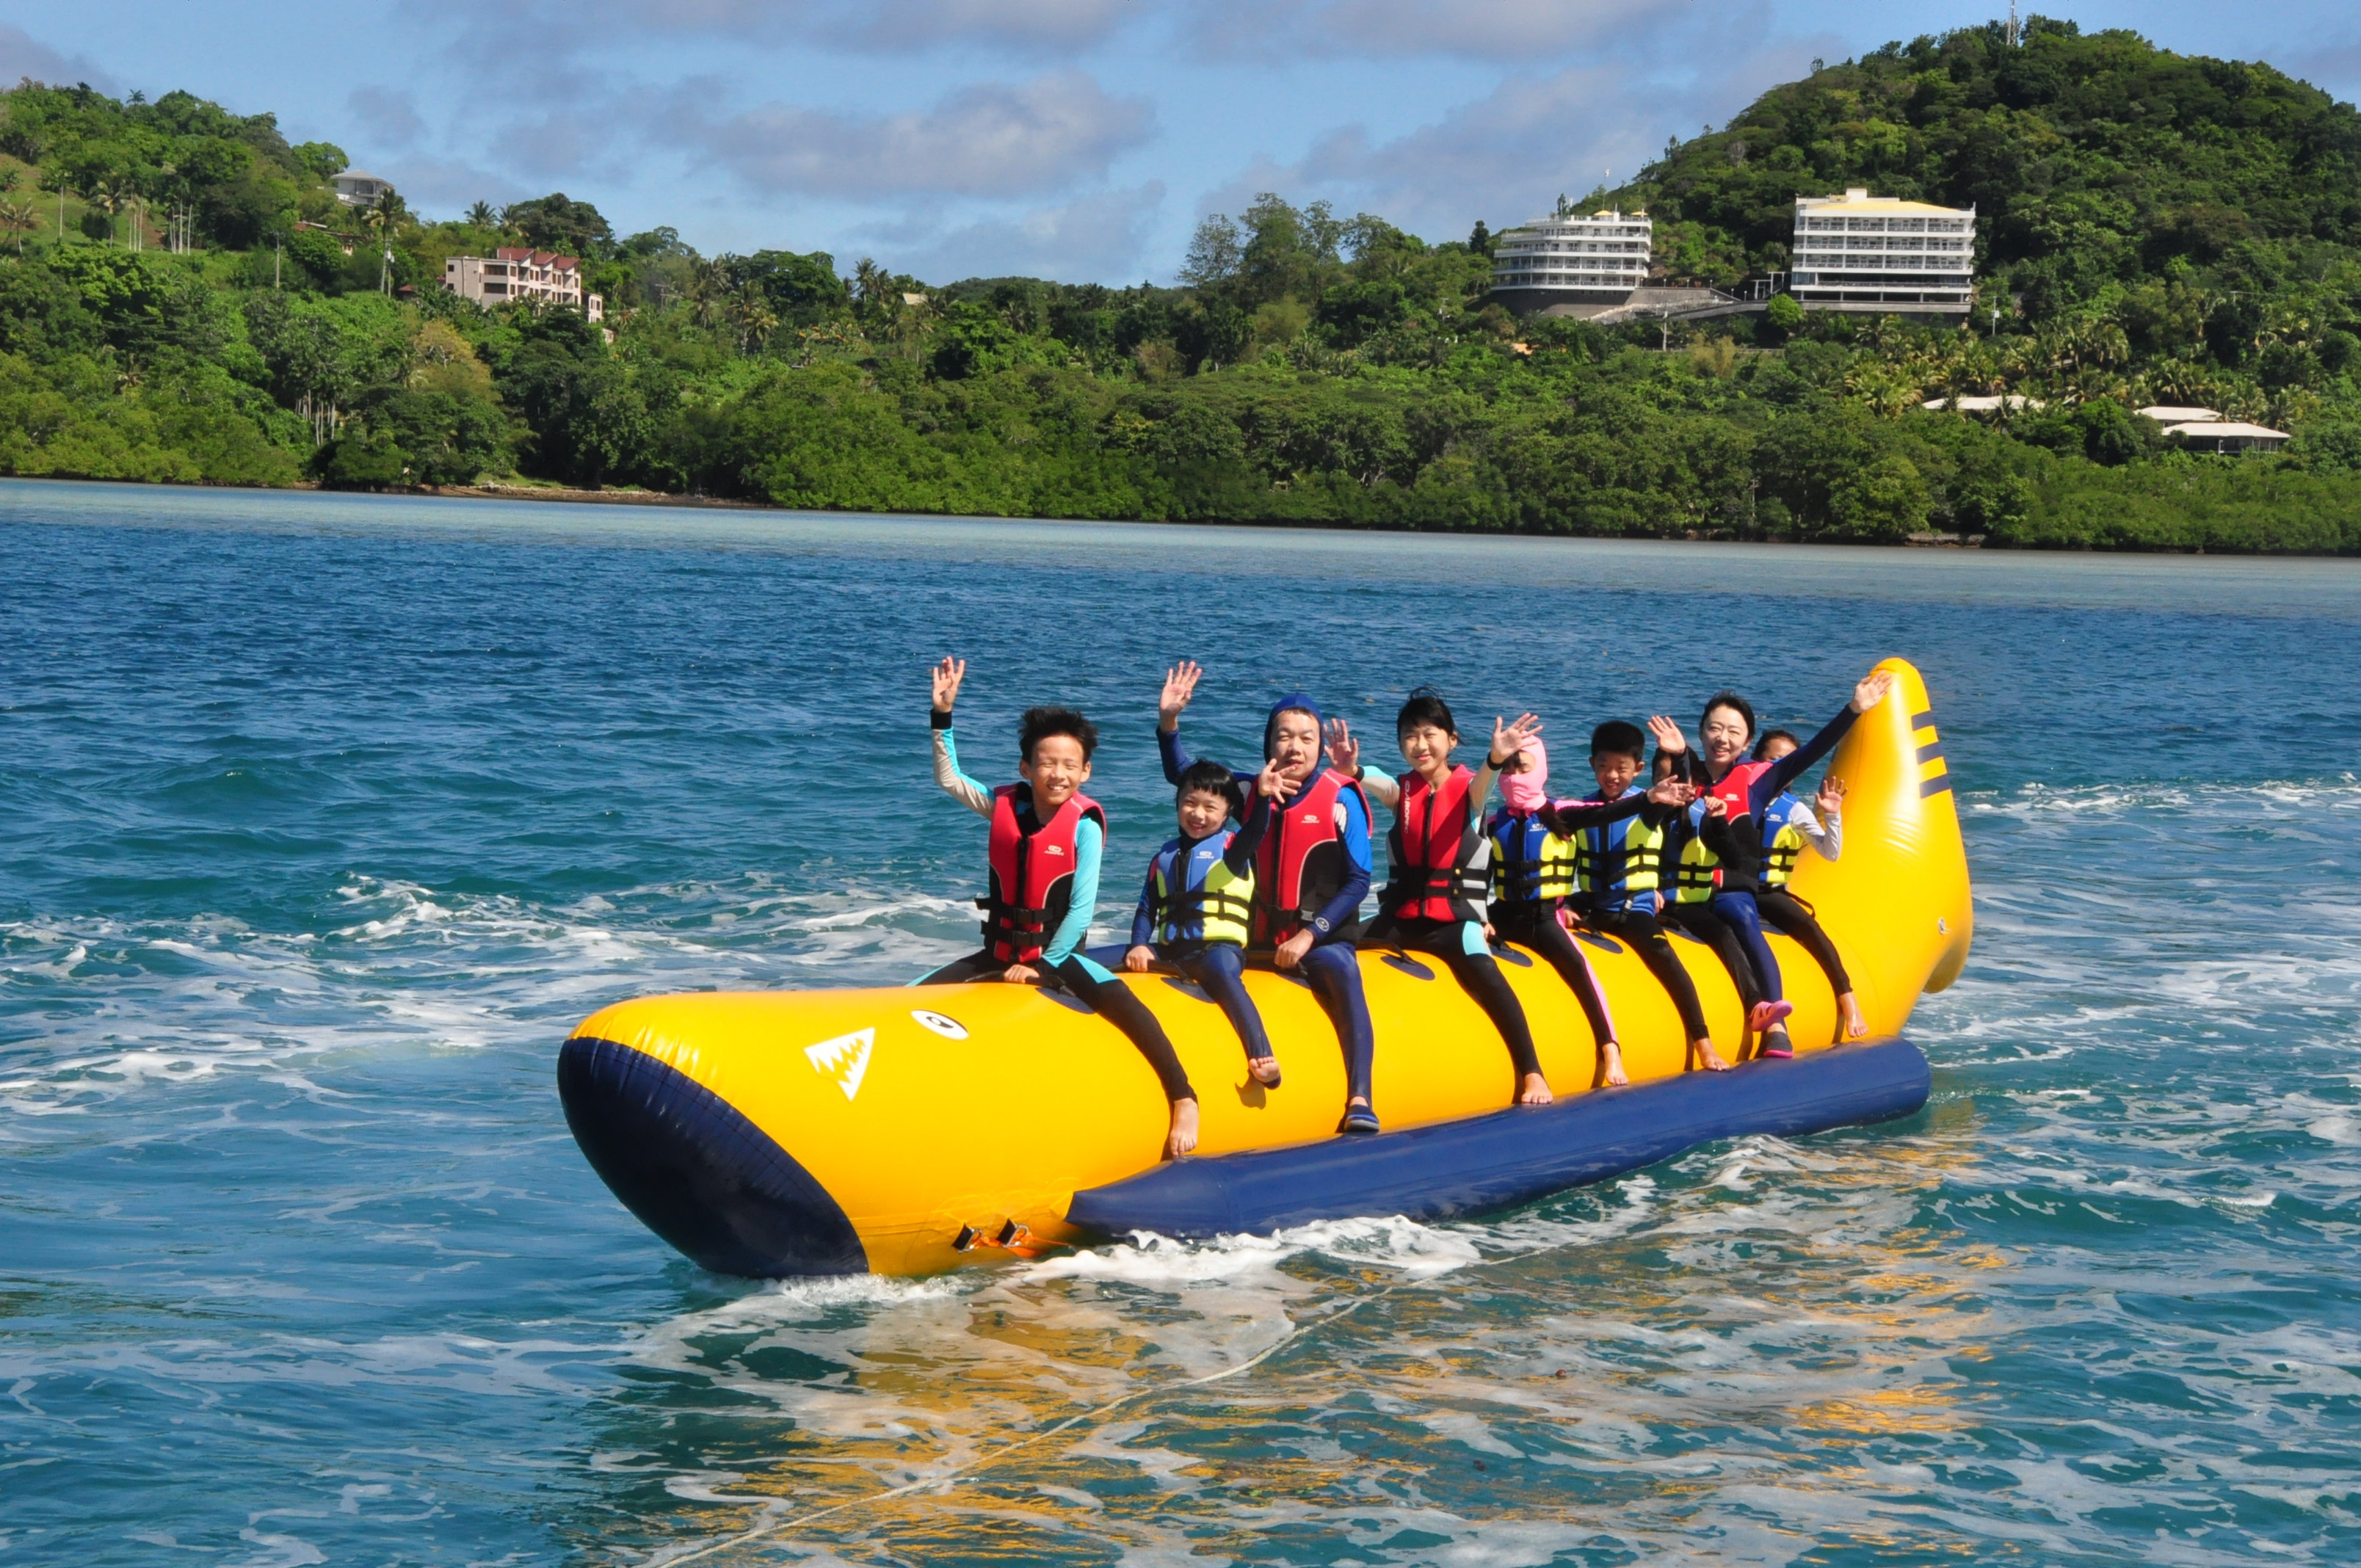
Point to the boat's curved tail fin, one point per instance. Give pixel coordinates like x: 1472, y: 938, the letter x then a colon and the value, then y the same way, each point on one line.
x: 1897, y: 900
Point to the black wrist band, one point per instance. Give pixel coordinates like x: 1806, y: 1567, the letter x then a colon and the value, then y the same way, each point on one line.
x: 938, y: 717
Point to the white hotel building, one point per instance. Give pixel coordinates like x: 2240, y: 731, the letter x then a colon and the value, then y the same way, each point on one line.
x: 1569, y: 260
x: 1859, y: 252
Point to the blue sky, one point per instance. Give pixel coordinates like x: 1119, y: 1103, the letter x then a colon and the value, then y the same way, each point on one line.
x: 1079, y: 140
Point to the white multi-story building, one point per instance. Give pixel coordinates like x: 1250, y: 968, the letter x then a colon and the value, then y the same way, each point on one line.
x: 355, y: 189
x: 515, y: 274
x: 1564, y: 259
x: 1859, y: 252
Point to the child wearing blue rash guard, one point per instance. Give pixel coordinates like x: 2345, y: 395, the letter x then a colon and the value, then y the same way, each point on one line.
x: 1198, y: 905
x: 1311, y: 874
x: 1048, y: 839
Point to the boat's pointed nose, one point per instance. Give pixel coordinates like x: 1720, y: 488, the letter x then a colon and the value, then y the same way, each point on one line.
x: 698, y: 1172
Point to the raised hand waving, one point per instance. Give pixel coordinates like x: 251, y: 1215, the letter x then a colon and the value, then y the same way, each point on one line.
x: 1180, y: 686
x: 948, y: 677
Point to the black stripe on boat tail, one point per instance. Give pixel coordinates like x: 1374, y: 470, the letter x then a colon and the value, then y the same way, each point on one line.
x: 1922, y: 720
x: 697, y: 1171
x: 1939, y: 784
x: 1931, y: 752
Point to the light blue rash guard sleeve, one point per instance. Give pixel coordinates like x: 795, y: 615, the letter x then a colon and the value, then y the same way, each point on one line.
x: 1090, y: 847
x: 955, y: 784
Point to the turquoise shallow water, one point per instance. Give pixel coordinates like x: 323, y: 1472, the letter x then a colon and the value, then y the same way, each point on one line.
x: 324, y: 819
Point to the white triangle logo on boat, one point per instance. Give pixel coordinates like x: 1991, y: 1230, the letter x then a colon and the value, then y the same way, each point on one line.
x: 843, y: 1059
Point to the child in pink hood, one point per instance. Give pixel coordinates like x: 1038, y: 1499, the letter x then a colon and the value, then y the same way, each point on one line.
x: 1533, y: 875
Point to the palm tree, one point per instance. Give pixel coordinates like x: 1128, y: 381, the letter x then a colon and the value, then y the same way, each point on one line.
x: 108, y: 196
x: 378, y: 221
x: 482, y: 216
x: 55, y: 179
x: 18, y: 217
x: 873, y: 287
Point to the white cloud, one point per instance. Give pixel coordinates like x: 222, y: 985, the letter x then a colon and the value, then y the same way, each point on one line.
x: 23, y: 57
x: 1055, y: 27
x: 991, y: 139
x: 1489, y: 29
x: 1093, y: 238
x: 1504, y: 155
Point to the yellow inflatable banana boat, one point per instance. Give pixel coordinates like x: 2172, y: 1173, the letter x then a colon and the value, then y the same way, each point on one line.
x: 837, y: 1132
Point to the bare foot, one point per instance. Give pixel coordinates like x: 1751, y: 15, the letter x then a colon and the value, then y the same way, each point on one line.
x: 1703, y: 1055
x: 1264, y: 1070
x: 1849, y: 1010
x: 1533, y: 1090
x: 1184, y: 1136
x: 1614, y: 1055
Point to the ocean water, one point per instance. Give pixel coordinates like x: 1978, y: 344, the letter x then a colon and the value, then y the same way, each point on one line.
x: 321, y: 819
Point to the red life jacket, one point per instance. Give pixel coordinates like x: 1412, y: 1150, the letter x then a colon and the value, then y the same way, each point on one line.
x: 1436, y: 835
x: 1699, y: 865
x: 1292, y: 879
x: 1032, y: 872
x: 1736, y: 786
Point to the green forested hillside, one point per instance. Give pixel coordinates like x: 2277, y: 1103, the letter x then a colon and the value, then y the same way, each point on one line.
x: 182, y: 298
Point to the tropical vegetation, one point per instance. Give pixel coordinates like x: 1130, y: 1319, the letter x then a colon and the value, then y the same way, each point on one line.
x: 183, y: 298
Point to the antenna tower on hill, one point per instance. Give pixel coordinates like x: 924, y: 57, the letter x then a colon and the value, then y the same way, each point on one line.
x: 2012, y: 24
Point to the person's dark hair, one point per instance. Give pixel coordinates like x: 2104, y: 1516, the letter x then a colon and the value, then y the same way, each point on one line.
x: 1425, y: 707
x: 1666, y: 766
x: 1764, y: 744
x: 1619, y: 738
x: 1730, y: 699
x: 1039, y: 723
x: 1214, y: 779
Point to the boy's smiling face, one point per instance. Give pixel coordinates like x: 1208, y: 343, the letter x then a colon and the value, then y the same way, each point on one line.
x: 1615, y: 771
x: 1203, y: 812
x: 1056, y: 769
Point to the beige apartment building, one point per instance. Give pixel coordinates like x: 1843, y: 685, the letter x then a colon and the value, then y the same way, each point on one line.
x: 1859, y: 252
x: 514, y: 274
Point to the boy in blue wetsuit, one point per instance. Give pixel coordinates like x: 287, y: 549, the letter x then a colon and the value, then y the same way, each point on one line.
x: 1538, y: 850
x: 1618, y: 868
x: 1311, y: 874
x: 1048, y: 841
x: 1198, y: 905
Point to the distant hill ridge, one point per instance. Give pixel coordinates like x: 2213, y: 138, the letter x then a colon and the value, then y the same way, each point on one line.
x: 2096, y: 162
x: 182, y: 297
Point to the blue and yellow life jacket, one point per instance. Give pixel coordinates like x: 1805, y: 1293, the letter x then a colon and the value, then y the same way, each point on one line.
x: 1529, y: 863
x: 1203, y: 900
x: 1785, y: 844
x: 1697, y: 870
x: 1615, y: 864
